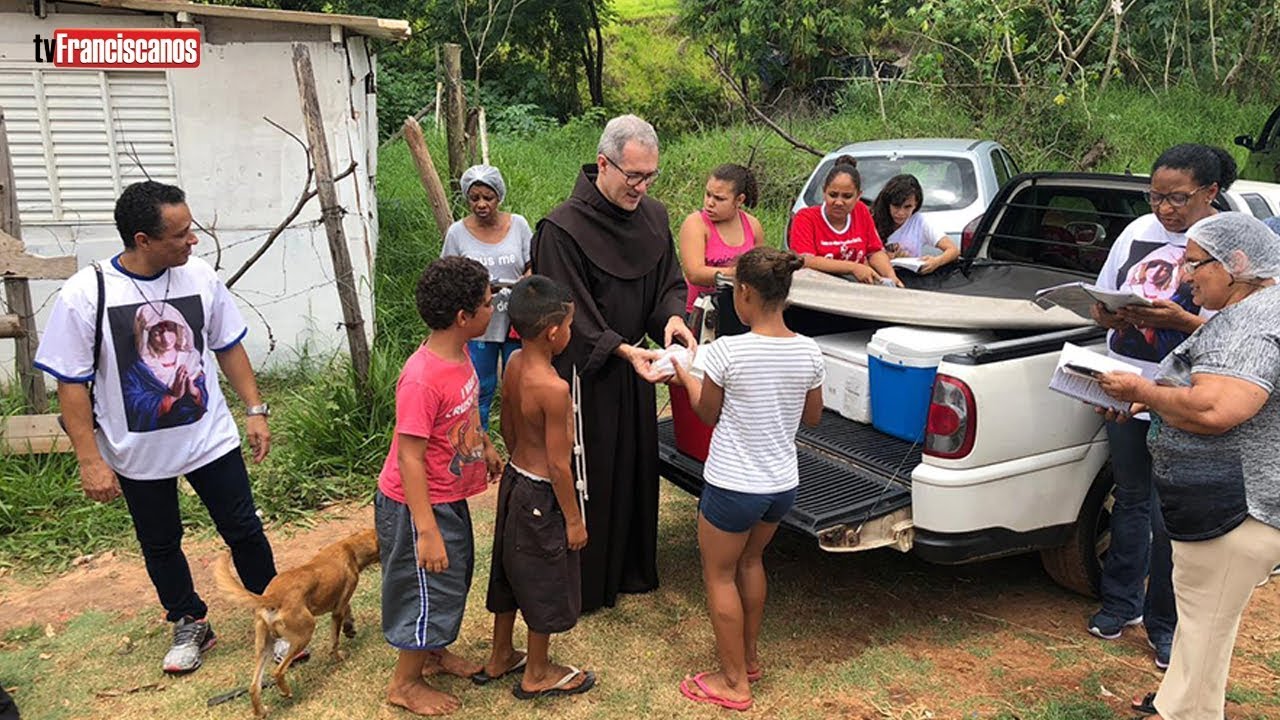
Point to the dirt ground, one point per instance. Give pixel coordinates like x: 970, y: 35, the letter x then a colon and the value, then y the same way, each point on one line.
x: 999, y: 635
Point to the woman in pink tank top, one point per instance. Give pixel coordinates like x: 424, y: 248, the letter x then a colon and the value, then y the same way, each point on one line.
x: 712, y: 238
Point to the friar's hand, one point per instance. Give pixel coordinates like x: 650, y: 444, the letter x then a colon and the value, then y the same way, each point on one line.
x: 676, y: 329
x: 642, y: 360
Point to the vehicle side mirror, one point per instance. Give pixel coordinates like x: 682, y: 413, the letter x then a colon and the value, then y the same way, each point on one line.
x: 1245, y: 141
x: 1086, y: 233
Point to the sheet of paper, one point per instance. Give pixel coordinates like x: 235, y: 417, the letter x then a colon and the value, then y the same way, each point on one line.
x: 908, y: 263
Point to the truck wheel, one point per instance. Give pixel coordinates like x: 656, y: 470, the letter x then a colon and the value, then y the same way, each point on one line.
x: 1077, y: 565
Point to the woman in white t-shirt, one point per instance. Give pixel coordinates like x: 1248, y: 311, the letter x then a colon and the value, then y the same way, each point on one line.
x: 759, y: 386
x: 907, y: 233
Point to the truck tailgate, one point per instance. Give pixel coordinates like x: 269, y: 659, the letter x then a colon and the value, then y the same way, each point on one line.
x: 847, y: 472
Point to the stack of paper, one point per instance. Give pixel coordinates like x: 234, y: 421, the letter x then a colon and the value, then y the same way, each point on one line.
x: 1080, y: 297
x: 1074, y: 376
x: 908, y: 263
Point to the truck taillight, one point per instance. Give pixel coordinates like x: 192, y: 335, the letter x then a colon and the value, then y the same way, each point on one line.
x: 953, y: 419
x: 966, y: 235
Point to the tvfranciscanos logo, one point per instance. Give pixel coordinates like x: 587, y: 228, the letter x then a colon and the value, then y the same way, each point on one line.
x: 117, y: 48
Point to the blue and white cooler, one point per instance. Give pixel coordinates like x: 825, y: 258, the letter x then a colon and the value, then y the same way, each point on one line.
x: 903, y: 361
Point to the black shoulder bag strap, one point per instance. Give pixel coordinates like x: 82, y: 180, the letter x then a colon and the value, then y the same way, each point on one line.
x: 97, y: 334
x: 97, y: 343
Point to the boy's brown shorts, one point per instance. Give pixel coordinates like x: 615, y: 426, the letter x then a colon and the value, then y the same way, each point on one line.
x: 533, y: 570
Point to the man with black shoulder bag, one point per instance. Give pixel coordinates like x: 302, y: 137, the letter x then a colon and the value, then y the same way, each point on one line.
x: 133, y: 344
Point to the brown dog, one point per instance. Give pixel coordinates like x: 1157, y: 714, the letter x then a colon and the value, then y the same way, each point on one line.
x: 288, y: 607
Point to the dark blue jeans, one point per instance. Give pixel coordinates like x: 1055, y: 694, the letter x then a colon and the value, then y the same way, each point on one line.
x: 484, y: 357
x: 223, y: 486
x: 1137, y: 573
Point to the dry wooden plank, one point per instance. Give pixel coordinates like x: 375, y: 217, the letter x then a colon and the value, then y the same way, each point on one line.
x: 32, y: 435
x: 455, y: 108
x: 332, y: 212
x: 427, y: 175
x: 17, y: 291
x: 384, y: 28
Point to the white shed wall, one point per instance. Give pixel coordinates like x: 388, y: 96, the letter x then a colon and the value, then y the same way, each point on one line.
x: 241, y: 175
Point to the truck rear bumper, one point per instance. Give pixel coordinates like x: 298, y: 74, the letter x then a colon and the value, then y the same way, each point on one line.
x: 987, y: 544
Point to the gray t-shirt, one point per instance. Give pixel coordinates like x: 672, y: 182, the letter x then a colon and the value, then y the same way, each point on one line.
x: 1242, y: 341
x: 506, y: 261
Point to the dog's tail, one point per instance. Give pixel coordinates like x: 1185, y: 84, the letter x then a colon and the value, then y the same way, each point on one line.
x: 231, y: 586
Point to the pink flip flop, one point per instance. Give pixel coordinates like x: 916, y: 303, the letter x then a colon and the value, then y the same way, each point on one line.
x: 754, y: 675
x: 709, y: 697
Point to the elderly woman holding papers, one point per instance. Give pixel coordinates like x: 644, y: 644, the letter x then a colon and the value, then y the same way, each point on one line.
x: 1215, y: 426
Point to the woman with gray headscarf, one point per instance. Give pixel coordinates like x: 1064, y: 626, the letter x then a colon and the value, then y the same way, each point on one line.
x: 499, y: 241
x: 1213, y: 437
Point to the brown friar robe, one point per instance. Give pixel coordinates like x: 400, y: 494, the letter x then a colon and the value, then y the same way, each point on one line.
x: 622, y: 270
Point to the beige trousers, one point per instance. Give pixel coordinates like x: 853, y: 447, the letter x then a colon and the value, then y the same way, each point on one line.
x: 1212, y: 581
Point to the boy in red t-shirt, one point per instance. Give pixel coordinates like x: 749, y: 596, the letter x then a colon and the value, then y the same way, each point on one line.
x: 440, y: 456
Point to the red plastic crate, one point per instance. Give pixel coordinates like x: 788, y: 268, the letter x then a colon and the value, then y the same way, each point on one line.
x: 693, y: 437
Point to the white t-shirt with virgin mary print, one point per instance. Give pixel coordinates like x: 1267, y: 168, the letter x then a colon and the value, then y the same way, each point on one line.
x: 157, y: 401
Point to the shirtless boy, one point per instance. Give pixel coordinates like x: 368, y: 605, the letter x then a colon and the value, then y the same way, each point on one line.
x: 539, y: 528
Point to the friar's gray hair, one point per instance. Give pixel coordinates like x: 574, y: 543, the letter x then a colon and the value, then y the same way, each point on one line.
x: 622, y: 130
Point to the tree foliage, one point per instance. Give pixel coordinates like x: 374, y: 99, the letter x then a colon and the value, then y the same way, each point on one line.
x: 1063, y: 44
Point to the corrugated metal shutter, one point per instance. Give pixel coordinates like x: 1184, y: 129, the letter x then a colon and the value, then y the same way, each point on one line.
x: 22, y: 119
x: 77, y: 137
x: 142, y: 121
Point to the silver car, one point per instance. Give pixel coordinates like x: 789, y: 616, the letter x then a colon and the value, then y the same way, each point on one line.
x: 959, y: 177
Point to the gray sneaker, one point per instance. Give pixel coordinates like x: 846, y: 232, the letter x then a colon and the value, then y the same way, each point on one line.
x: 191, y: 638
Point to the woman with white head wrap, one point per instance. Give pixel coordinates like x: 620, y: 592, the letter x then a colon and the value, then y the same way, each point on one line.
x: 1214, y: 430
x: 500, y: 241
x: 165, y: 386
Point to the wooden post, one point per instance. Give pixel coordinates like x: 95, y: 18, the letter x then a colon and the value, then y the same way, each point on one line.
x: 455, y: 110
x: 439, y: 95
x: 427, y: 174
x: 17, y: 291
x: 332, y: 214
x: 484, y: 139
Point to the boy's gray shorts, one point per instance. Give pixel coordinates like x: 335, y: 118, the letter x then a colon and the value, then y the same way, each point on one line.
x: 423, y: 610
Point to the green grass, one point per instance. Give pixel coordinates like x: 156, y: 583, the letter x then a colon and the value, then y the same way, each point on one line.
x: 640, y: 9
x: 819, y: 660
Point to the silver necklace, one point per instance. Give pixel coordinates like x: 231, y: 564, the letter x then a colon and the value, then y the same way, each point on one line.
x: 168, y: 278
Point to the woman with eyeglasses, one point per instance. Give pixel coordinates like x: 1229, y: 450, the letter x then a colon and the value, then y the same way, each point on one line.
x: 500, y: 241
x: 1136, y: 586
x: 1215, y: 425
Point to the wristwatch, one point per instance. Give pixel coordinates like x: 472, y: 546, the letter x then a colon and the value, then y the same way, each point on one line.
x: 264, y: 410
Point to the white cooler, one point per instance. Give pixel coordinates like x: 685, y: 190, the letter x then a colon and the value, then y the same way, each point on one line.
x: 847, y: 389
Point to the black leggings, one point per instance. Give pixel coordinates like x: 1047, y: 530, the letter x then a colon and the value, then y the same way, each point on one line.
x: 223, y: 486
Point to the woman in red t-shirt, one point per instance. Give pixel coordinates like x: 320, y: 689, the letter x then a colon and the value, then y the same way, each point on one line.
x: 839, y: 236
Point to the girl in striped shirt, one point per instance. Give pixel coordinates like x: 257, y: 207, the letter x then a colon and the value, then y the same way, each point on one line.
x: 759, y: 386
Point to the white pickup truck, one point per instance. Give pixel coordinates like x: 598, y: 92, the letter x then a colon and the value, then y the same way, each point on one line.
x: 1006, y: 465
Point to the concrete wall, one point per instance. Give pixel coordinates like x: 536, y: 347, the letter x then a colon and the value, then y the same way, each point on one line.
x: 242, y: 176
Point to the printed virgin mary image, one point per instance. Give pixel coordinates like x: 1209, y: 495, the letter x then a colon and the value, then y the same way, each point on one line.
x: 165, y: 386
x: 1155, y: 275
